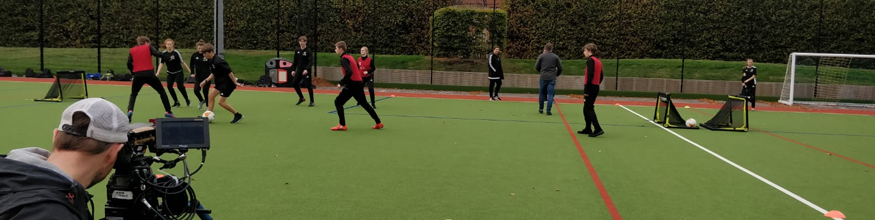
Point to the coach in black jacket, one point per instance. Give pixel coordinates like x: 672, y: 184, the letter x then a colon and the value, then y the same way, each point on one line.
x: 496, y: 74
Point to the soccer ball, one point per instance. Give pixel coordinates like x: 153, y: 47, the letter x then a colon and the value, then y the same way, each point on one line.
x: 209, y: 115
x: 690, y: 123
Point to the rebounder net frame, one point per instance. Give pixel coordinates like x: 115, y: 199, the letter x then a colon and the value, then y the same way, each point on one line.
x: 666, y: 114
x: 733, y: 116
x: 68, y: 84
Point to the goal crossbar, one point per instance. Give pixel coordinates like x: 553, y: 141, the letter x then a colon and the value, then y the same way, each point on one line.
x: 791, y: 71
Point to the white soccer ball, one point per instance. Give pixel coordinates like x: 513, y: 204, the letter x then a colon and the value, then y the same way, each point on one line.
x: 691, y: 123
x: 209, y: 115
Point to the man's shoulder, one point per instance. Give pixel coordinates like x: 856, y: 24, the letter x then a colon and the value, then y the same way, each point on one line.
x: 29, y: 208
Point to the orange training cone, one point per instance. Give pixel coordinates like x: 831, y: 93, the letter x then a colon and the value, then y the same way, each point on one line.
x: 834, y: 214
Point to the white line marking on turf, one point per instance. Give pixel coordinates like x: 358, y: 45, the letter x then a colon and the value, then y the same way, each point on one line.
x: 770, y: 183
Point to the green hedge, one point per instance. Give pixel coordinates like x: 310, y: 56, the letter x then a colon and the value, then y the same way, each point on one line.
x: 462, y: 31
x: 767, y: 30
x: 387, y: 27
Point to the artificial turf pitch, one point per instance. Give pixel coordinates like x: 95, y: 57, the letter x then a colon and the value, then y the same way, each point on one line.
x: 475, y: 159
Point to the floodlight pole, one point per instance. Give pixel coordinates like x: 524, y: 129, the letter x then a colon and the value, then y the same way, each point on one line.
x: 219, y: 27
x: 492, y: 24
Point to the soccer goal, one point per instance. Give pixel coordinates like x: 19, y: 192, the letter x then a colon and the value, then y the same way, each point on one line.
x: 731, y: 117
x: 666, y: 114
x: 68, y: 84
x: 829, y: 79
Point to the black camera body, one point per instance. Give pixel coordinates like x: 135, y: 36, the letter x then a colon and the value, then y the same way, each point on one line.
x: 134, y: 192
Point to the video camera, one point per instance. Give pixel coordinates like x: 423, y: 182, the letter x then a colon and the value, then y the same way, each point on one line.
x: 134, y: 192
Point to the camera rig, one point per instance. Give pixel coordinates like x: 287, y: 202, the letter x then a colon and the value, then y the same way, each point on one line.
x: 134, y: 192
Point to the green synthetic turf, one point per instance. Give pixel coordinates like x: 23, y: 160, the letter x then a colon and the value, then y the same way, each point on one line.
x: 462, y: 159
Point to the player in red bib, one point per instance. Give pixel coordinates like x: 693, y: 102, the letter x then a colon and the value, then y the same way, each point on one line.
x: 366, y: 63
x: 593, y: 78
x: 351, y: 87
x: 140, y: 65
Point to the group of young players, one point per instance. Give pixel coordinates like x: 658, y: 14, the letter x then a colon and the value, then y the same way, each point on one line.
x: 205, y: 66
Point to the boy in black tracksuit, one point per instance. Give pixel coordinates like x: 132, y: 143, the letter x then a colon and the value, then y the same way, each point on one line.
x: 173, y: 59
x: 201, y: 70
x: 496, y: 74
x: 749, y: 83
x: 226, y: 82
x: 301, y: 71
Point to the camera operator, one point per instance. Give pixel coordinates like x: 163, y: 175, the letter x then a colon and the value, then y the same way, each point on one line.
x: 36, y: 184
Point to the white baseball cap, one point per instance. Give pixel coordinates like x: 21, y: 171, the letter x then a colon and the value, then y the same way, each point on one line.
x: 108, y: 122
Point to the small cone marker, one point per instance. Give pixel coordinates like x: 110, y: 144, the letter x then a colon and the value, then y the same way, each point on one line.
x: 617, y: 104
x: 835, y: 214
x: 687, y: 106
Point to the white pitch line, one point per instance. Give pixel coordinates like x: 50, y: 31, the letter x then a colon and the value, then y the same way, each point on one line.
x: 770, y: 183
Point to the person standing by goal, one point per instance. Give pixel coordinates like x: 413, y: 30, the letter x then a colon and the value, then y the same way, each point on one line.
x: 749, y: 83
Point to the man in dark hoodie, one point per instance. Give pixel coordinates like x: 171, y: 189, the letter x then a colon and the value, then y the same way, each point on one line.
x: 37, y: 184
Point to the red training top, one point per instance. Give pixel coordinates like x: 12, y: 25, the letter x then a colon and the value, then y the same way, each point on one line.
x: 597, y: 74
x: 142, y: 56
x: 356, y: 71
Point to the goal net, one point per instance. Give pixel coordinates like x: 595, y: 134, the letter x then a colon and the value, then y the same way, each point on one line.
x: 829, y: 79
x: 666, y: 114
x: 731, y: 117
x: 68, y: 84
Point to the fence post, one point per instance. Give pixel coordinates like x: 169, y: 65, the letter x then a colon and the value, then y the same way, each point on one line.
x: 157, y: 28
x: 431, y: 36
x: 315, y: 38
x: 42, y: 64
x: 98, y: 37
x: 817, y: 48
x: 277, y: 28
x: 684, y: 49
x: 617, y: 73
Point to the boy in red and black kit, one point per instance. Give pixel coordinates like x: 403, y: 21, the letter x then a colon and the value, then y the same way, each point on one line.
x: 593, y: 78
x: 140, y: 64
x: 367, y: 66
x: 351, y: 87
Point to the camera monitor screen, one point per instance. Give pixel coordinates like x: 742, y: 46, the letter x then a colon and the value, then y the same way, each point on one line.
x: 182, y: 133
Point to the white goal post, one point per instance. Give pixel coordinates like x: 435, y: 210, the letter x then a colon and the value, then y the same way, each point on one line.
x: 825, y: 78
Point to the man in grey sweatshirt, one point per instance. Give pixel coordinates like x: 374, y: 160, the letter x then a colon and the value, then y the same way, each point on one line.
x: 550, y: 67
x: 38, y: 184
